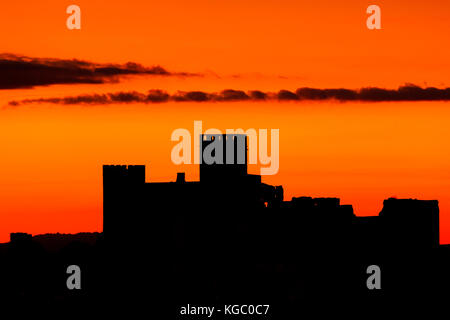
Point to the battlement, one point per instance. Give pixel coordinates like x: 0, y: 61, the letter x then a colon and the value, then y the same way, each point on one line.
x: 123, y: 174
x: 410, y: 209
x: 20, y: 237
x: 309, y: 202
x: 224, y: 156
x: 412, y: 219
x: 396, y: 207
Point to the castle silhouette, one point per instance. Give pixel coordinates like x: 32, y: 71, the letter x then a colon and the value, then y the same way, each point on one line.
x: 230, y: 238
x: 227, y: 194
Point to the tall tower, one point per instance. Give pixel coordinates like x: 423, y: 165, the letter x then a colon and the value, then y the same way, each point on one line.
x: 411, y: 221
x: 223, y: 157
x: 122, y: 186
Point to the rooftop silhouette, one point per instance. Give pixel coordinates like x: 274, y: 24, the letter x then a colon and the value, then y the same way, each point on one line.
x: 229, y: 237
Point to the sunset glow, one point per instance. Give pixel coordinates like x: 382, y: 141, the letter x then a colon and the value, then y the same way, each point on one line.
x: 361, y: 152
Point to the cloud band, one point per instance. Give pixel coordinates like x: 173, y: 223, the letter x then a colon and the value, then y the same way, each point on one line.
x: 372, y: 94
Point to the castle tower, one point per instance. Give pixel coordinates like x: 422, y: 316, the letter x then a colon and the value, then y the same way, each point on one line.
x: 411, y: 221
x: 122, y: 186
x: 223, y: 157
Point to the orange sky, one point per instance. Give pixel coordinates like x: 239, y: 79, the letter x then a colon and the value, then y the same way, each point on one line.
x: 319, y: 43
x: 50, y: 165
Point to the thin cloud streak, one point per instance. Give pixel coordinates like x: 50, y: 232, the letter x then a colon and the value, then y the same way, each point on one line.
x: 372, y: 94
x: 27, y: 72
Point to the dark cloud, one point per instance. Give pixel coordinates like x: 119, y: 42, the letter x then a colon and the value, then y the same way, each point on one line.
x: 324, y: 94
x: 232, y: 95
x: 405, y: 93
x: 25, y: 72
x: 286, y: 95
x: 408, y: 92
x: 156, y: 96
x: 258, y: 95
x: 197, y: 96
x: 124, y: 97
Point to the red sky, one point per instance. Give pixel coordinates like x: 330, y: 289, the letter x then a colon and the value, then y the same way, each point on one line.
x: 50, y: 165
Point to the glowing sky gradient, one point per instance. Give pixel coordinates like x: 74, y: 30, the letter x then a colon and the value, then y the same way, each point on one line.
x: 50, y: 164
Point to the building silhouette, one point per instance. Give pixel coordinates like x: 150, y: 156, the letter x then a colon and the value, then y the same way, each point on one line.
x: 231, y: 238
x: 224, y: 233
x: 227, y: 195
